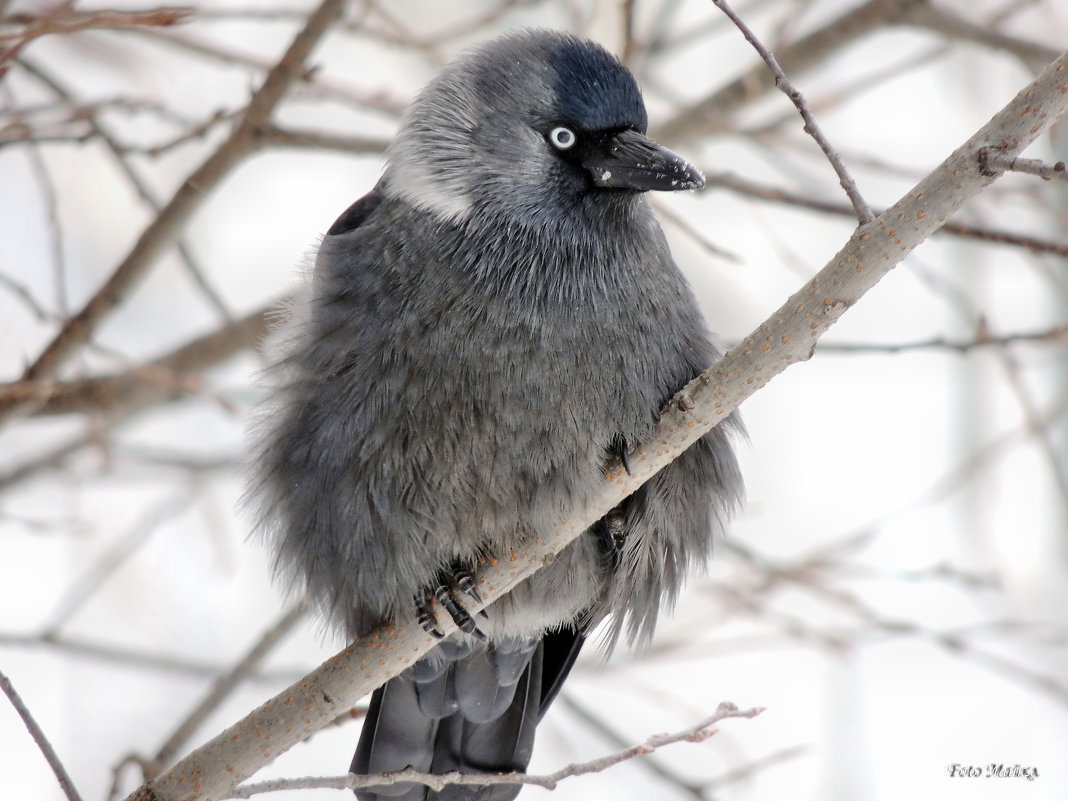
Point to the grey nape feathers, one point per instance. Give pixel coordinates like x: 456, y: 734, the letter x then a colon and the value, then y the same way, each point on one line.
x: 496, y: 319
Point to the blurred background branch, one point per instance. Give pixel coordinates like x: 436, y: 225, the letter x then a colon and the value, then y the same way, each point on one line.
x: 165, y: 172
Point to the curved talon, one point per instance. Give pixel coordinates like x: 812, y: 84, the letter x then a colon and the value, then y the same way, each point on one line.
x: 427, y: 621
x: 467, y: 585
x: 452, y: 581
x: 621, y: 447
x: 460, y: 616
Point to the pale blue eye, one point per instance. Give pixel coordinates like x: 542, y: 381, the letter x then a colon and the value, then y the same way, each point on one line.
x: 562, y: 138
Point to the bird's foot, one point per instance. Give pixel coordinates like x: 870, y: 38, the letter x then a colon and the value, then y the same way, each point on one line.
x: 445, y: 591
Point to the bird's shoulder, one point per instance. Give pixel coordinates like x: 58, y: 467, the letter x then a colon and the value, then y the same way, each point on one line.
x: 357, y: 214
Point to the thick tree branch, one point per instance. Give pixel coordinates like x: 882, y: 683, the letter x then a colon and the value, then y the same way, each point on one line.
x: 787, y: 337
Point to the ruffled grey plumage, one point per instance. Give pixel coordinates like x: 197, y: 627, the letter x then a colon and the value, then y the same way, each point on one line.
x: 480, y: 332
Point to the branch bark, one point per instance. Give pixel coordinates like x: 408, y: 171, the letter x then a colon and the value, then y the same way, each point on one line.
x: 787, y: 337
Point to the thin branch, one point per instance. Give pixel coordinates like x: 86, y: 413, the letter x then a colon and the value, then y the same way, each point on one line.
x: 437, y: 781
x: 309, y: 81
x: 1058, y: 335
x: 698, y: 236
x: 197, y: 187
x: 225, y: 684
x: 51, y: 459
x: 24, y: 294
x: 278, y: 136
x: 55, y: 230
x: 860, y: 206
x: 616, y: 740
x: 170, y: 377
x: 744, y: 186
x: 39, y: 737
x: 873, y: 623
x: 630, y: 44
x: 87, y: 584
x: 994, y: 162
x: 87, y: 649
x: 119, y: 152
x: 746, y: 772
x: 711, y: 114
x: 932, y: 17
x: 1039, y: 428
x: 66, y: 20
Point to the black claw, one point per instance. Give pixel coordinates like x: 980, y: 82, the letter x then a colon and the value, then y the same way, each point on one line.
x: 459, y: 615
x: 427, y: 621
x: 455, y: 580
x: 463, y: 580
x: 621, y: 447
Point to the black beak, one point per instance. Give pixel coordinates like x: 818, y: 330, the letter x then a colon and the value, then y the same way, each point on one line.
x: 630, y: 160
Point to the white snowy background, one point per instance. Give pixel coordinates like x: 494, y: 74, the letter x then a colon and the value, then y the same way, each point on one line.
x: 895, y: 592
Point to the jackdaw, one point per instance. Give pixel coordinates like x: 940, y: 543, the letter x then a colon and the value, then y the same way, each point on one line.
x: 497, y: 320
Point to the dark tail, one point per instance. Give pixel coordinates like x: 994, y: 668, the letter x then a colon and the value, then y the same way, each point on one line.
x: 468, y: 708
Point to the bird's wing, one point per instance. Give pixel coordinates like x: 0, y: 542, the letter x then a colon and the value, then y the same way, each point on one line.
x: 356, y: 214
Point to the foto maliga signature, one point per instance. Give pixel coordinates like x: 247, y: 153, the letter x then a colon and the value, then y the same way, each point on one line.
x: 994, y: 771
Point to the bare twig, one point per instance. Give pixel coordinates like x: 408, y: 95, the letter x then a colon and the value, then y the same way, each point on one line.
x: 748, y: 771
x: 685, y: 226
x: 113, y: 558
x: 711, y: 114
x: 66, y: 20
x: 119, y: 153
x: 225, y: 684
x: 100, y: 652
x: 39, y: 737
x: 170, y: 377
x: 935, y: 17
x: 1040, y: 429
x: 310, y: 82
x: 616, y: 740
x: 994, y: 162
x: 860, y: 206
x: 437, y: 781
x: 278, y: 136
x: 27, y: 298
x: 982, y: 339
x: 744, y: 186
x: 165, y: 226
x: 873, y: 623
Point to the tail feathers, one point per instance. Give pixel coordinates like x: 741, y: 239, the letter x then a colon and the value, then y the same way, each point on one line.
x: 466, y: 709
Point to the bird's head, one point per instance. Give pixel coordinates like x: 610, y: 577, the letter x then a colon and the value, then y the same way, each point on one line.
x: 528, y: 125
